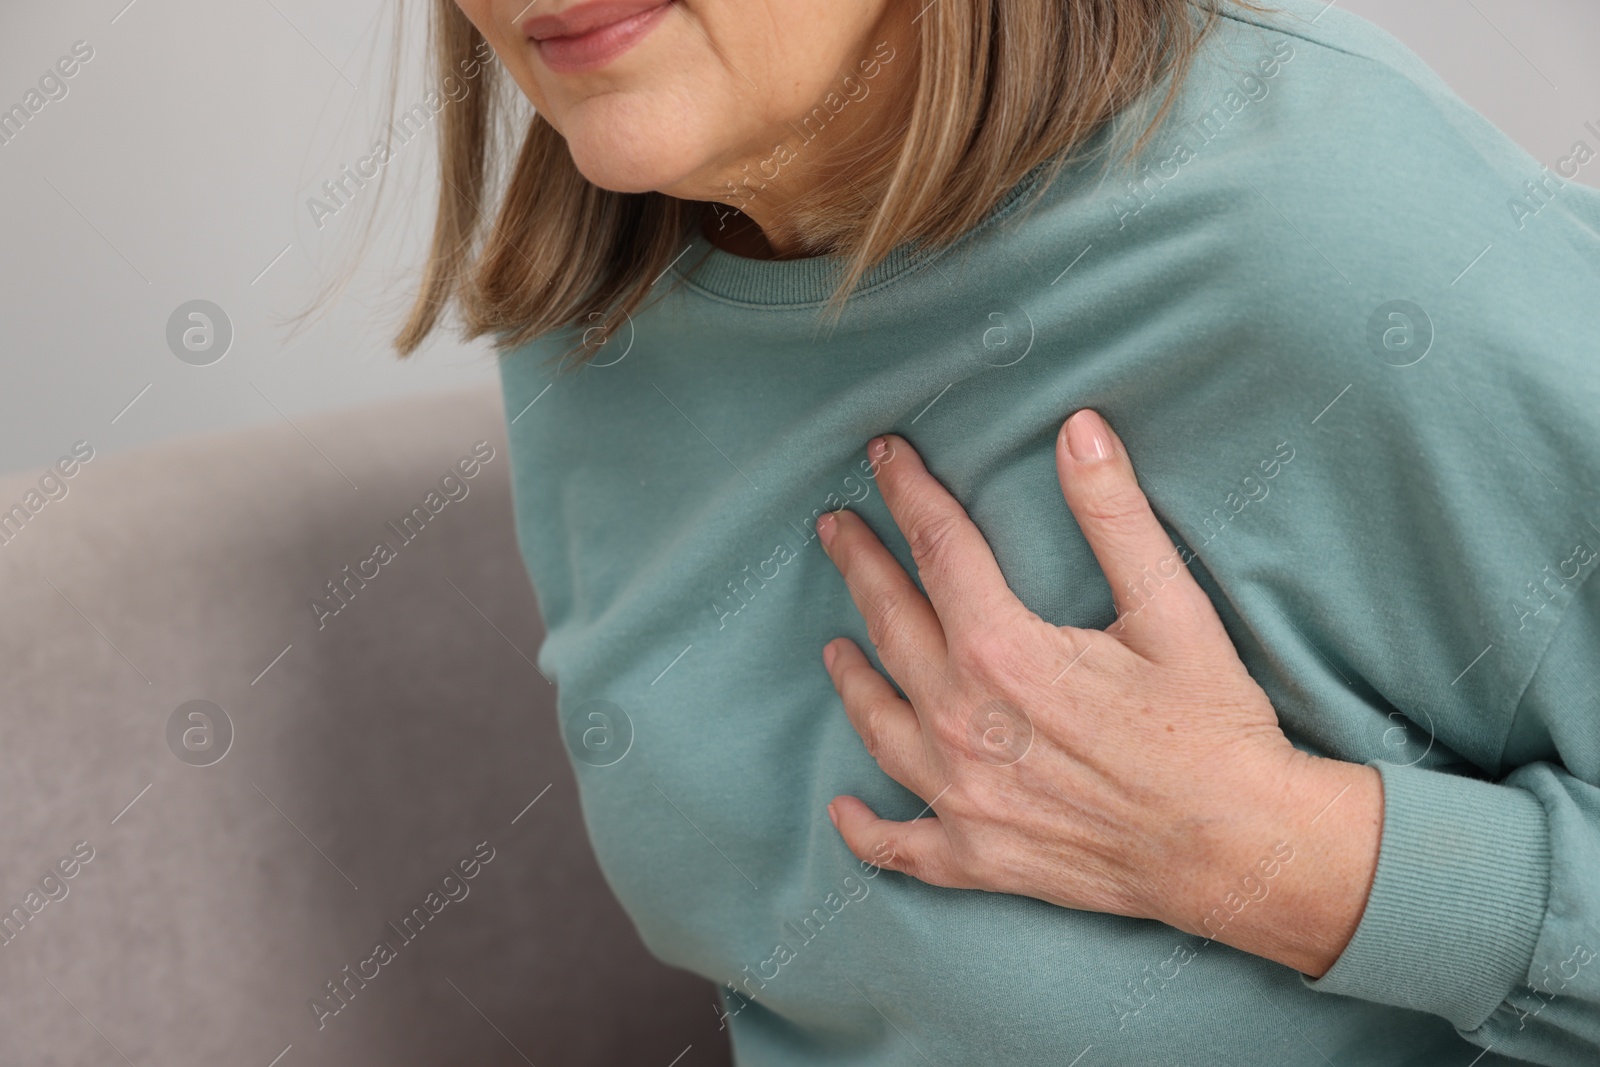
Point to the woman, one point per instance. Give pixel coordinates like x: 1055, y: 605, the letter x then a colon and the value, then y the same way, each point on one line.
x: 1344, y: 327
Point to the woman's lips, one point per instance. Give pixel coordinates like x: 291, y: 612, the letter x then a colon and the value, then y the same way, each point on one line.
x: 589, y: 36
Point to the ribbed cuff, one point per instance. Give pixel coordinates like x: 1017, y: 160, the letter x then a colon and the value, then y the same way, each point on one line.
x: 1459, y: 896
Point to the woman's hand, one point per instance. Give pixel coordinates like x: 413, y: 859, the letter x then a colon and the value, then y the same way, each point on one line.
x: 1136, y: 771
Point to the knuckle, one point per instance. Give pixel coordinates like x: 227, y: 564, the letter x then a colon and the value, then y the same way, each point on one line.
x: 930, y: 536
x: 978, y: 651
x: 994, y: 653
x: 1096, y: 651
x: 1186, y: 616
x: 1117, y: 507
x: 873, y: 729
x: 1192, y: 602
x: 949, y: 731
x: 883, y: 621
x: 871, y: 737
x: 886, y: 854
x: 913, y: 865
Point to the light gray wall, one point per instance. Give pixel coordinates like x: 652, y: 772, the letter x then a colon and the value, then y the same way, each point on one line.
x: 178, y: 167
x: 179, y: 163
x: 1531, y: 66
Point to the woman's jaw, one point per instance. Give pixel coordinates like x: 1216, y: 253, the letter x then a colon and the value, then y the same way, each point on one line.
x: 691, y: 97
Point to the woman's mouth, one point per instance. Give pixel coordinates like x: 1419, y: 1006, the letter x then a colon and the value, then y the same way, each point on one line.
x: 590, y: 35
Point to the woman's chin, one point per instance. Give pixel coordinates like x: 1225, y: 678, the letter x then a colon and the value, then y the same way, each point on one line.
x: 620, y: 177
x: 631, y: 160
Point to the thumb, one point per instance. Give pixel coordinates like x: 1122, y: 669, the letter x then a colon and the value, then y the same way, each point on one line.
x: 1154, y: 593
x: 918, y: 848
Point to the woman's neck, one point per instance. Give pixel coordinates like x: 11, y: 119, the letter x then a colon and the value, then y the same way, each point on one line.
x: 737, y: 233
x: 754, y: 219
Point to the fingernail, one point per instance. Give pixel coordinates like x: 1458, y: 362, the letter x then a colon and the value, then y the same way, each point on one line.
x: 833, y: 816
x: 827, y: 526
x: 1088, y: 437
x: 829, y: 652
x: 876, y: 448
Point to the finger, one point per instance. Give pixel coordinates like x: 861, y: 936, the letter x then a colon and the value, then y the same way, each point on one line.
x: 953, y: 559
x: 1155, y: 595
x: 901, y: 623
x: 918, y: 848
x: 886, y: 721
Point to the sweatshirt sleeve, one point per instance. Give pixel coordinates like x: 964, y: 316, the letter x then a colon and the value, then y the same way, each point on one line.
x: 1485, y: 907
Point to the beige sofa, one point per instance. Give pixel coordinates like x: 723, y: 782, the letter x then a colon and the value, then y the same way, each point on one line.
x: 356, y: 875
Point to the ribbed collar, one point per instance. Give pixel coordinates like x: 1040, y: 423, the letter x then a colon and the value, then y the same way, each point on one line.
x: 811, y: 281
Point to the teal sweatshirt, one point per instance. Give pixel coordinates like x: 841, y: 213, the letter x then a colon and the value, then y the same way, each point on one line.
x: 1350, y: 334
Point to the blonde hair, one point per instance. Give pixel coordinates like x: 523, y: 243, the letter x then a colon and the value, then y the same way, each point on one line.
x: 1000, y: 87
